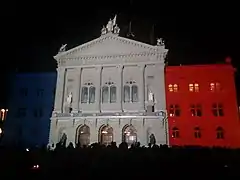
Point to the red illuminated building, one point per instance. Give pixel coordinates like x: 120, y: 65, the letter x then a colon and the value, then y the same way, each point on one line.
x: 202, y: 105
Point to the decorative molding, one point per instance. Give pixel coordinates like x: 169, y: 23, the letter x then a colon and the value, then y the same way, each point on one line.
x: 157, y: 115
x: 110, y: 37
x: 111, y: 60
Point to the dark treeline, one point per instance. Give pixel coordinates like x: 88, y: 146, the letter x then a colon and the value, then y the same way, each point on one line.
x: 98, y: 161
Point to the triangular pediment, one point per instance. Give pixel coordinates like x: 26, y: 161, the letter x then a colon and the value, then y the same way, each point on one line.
x: 109, y: 45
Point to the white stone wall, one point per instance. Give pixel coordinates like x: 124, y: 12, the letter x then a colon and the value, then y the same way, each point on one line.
x: 144, y: 128
x: 117, y: 60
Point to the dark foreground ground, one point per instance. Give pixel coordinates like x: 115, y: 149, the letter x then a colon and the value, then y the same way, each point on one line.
x: 120, y: 163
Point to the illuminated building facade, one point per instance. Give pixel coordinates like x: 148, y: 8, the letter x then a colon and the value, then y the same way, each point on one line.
x: 202, y: 105
x: 110, y: 89
x: 30, y: 105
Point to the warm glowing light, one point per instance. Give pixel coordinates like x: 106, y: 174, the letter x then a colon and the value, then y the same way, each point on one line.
x: 104, y: 132
x: 35, y: 166
x: 215, y: 87
x: 131, y: 138
x: 193, y: 87
x: 3, y: 114
x: 190, y: 87
x: 170, y: 87
x: 175, y: 87
x: 212, y: 87
x: 0, y: 131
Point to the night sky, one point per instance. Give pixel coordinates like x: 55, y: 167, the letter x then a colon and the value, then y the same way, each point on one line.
x: 33, y: 31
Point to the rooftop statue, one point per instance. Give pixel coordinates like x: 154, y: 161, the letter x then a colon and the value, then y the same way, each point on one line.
x: 104, y: 30
x: 62, y: 48
x: 111, y: 27
x: 116, y: 29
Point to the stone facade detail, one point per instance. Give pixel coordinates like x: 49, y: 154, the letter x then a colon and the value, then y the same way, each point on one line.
x: 109, y: 80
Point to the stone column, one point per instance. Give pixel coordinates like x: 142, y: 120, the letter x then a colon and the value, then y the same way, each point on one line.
x: 142, y: 87
x: 58, y: 105
x: 76, y: 93
x: 120, y: 86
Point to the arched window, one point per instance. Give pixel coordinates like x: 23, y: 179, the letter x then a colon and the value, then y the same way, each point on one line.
x: 92, y: 94
x: 84, y: 96
x: 134, y: 93
x: 106, y: 135
x: 113, y: 94
x: 126, y: 93
x: 175, y: 132
x: 220, y: 133
x: 197, y: 132
x: 83, y: 135
x: 105, y: 94
x: 129, y: 135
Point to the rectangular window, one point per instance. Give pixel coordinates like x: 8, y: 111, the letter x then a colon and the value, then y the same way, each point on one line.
x: 197, y: 133
x: 217, y: 109
x: 175, y: 133
x: 92, y: 90
x: 173, y: 88
x: 22, y: 112
x: 174, y: 110
x: 196, y: 110
x: 193, y: 87
x: 126, y: 94
x: 40, y: 92
x: 215, y: 87
x: 134, y: 94
x: 38, y: 112
x: 105, y: 94
x: 170, y: 88
x: 113, y: 94
x: 84, y: 95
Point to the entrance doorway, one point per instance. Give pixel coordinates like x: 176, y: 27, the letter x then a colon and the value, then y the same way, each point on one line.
x: 106, y: 135
x: 83, y: 135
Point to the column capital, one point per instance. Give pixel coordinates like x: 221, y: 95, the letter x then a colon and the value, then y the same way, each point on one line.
x: 119, y: 68
x: 98, y: 68
x: 60, y: 69
x: 141, y: 66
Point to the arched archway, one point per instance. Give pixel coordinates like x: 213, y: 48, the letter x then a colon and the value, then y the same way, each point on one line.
x: 129, y: 134
x: 83, y: 135
x: 151, y: 139
x: 106, y: 135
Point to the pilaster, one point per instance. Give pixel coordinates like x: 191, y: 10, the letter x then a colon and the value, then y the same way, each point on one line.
x: 142, y: 87
x: 76, y: 98
x: 98, y: 88
x: 58, y: 105
x: 120, y: 86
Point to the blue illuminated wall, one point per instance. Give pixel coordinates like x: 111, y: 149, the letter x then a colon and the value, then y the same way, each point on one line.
x: 31, y: 99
